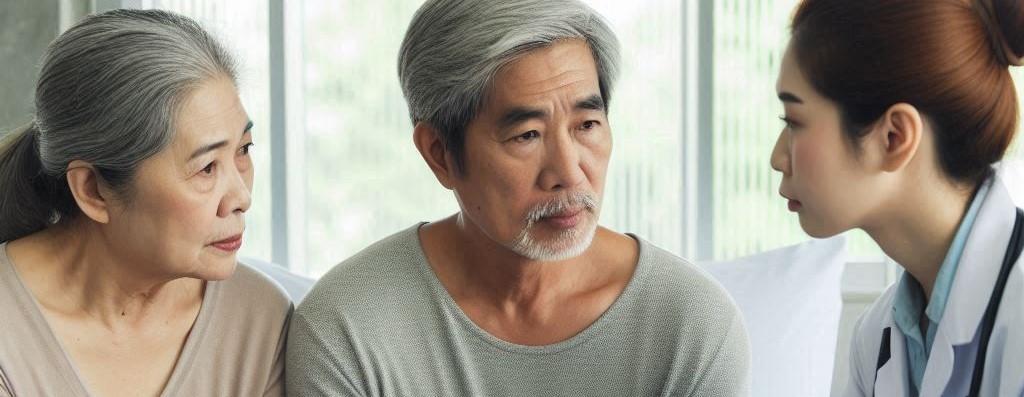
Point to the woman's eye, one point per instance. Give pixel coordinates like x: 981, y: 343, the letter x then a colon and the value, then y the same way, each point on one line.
x: 525, y: 137
x: 208, y: 170
x: 790, y: 125
x: 245, y: 149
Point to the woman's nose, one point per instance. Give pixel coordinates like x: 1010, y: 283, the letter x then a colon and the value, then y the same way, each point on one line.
x: 780, y: 154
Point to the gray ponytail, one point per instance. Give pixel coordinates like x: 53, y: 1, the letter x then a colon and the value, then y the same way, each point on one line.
x: 108, y: 93
x: 29, y: 199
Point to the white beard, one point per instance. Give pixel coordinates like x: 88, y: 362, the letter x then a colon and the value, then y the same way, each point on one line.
x: 567, y: 244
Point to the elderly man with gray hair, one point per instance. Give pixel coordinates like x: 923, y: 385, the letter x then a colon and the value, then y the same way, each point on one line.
x: 521, y: 292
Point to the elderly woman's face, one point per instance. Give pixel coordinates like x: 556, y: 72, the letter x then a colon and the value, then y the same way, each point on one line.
x: 185, y: 214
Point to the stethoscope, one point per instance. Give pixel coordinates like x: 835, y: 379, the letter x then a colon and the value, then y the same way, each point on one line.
x: 1013, y: 251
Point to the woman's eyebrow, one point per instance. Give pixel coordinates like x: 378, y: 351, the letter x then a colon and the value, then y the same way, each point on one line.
x: 790, y: 98
x: 217, y: 145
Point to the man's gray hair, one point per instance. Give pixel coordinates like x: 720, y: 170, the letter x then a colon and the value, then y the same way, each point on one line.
x: 453, y: 49
x: 108, y: 94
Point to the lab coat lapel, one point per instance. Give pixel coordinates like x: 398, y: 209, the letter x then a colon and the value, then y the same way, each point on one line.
x: 972, y: 286
x: 940, y: 365
x: 891, y: 378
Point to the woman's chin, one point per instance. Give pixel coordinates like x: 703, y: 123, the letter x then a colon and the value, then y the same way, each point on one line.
x: 817, y: 229
x: 217, y: 269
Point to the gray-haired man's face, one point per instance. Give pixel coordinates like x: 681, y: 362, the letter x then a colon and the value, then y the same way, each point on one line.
x: 537, y: 155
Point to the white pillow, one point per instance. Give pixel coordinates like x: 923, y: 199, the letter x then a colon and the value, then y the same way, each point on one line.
x: 791, y: 302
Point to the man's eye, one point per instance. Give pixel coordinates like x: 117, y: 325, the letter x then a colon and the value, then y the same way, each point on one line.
x: 245, y: 149
x: 526, y: 137
x: 590, y: 124
x: 208, y: 170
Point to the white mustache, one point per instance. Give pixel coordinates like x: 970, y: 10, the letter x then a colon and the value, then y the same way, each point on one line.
x: 578, y: 199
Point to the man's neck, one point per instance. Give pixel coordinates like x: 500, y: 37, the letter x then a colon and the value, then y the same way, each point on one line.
x: 512, y: 297
x: 472, y: 259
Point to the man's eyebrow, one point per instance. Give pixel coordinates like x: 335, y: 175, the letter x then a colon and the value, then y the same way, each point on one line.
x: 790, y: 98
x: 593, y: 102
x: 520, y: 114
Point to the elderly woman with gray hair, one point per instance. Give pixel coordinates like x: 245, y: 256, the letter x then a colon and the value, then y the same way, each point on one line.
x: 121, y: 211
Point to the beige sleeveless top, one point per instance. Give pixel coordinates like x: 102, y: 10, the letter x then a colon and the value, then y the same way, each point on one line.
x: 235, y: 347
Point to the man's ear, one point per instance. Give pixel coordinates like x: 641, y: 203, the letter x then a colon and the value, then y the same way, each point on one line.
x: 428, y: 142
x: 86, y: 187
x: 896, y: 137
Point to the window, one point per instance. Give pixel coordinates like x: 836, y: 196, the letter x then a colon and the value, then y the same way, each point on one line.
x: 749, y: 40
x: 364, y: 178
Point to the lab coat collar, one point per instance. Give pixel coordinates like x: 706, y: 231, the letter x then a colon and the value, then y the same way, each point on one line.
x: 975, y: 275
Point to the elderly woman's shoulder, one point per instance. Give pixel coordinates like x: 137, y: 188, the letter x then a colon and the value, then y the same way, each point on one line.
x: 250, y: 289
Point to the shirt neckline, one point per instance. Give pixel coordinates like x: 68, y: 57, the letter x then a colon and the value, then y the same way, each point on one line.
x: 68, y: 368
x: 448, y: 303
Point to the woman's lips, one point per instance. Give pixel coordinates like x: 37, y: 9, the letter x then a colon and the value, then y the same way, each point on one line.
x: 794, y: 205
x: 230, y: 244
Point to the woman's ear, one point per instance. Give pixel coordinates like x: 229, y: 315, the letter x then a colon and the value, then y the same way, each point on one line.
x: 899, y: 135
x: 86, y: 187
x: 428, y: 142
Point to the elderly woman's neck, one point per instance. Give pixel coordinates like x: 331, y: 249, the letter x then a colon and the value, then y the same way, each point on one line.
x: 72, y: 270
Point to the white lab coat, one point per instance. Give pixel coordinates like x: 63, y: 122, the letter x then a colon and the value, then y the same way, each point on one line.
x: 951, y: 362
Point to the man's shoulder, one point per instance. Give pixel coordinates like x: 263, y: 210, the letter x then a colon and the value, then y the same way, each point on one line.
x: 385, y: 274
x: 681, y: 288
x: 680, y: 277
x: 697, y: 313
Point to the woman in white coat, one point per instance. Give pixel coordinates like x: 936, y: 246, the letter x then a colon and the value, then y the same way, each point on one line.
x: 895, y: 112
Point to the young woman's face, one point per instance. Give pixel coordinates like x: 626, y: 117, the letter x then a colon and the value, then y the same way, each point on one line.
x: 184, y: 216
x: 822, y: 177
